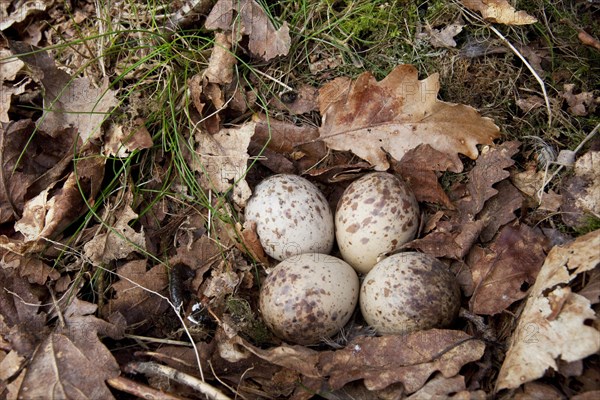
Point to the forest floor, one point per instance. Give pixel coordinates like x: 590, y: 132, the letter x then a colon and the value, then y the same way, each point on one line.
x: 133, y: 133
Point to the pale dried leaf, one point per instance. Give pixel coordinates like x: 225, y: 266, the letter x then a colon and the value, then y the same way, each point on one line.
x: 250, y: 19
x: 553, y: 322
x: 121, y: 140
x: 440, y: 387
x: 444, y: 37
x: 224, y: 160
x: 499, y: 11
x: 396, y: 115
x: 20, y: 12
x: 120, y: 240
x: 68, y: 101
x: 222, y: 60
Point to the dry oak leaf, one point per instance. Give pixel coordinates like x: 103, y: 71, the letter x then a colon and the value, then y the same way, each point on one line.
x: 514, y: 258
x: 554, y: 322
x: 20, y: 11
x: 499, y: 11
x: 222, y: 60
x: 448, y: 388
x: 409, y: 359
x: 397, y: 114
x: 250, y: 19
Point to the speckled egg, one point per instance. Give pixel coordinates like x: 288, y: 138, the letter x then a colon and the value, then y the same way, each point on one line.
x: 292, y: 217
x: 375, y: 215
x: 309, y: 297
x: 408, y: 292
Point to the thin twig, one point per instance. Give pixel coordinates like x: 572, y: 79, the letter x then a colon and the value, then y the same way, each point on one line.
x: 154, y: 369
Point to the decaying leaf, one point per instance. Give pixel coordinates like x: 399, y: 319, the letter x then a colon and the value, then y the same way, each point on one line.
x: 454, y: 237
x: 499, y: 11
x: 20, y: 11
x: 9, y: 67
x: 121, y: 140
x: 444, y: 37
x: 553, y: 323
x: 118, y: 242
x: 131, y: 300
x: 250, y: 19
x: 224, y: 160
x: 442, y: 387
x: 396, y: 115
x: 499, y: 272
x: 581, y: 191
x: 580, y: 104
x: 222, y: 60
x: 418, y: 167
x: 65, y: 358
x: 409, y: 359
x: 68, y: 101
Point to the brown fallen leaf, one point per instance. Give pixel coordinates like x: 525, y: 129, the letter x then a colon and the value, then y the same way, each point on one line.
x: 121, y: 140
x: 9, y: 68
x: 137, y: 305
x: 500, y: 209
x: 581, y: 191
x: 513, y: 259
x: 30, y: 267
x: 588, y: 39
x: 553, y: 322
x: 409, y: 359
x: 444, y: 37
x: 454, y: 237
x: 72, y: 360
x: 301, y: 101
x: 118, y: 242
x: 580, y: 104
x: 221, y: 61
x: 223, y: 160
x: 251, y: 20
x: 396, y: 115
x: 68, y: 101
x: 10, y: 14
x: 417, y: 168
x: 499, y: 11
x: 442, y: 387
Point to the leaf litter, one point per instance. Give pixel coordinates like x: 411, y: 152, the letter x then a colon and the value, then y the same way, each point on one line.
x: 476, y: 222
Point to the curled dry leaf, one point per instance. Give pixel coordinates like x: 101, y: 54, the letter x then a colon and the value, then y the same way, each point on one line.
x: 440, y: 387
x: 553, y: 323
x: 21, y: 12
x: 396, y: 115
x: 499, y: 272
x: 121, y: 140
x: 118, y: 242
x: 224, y: 160
x: 454, y: 237
x: 499, y: 11
x: 247, y: 17
x: 222, y: 60
x: 444, y: 37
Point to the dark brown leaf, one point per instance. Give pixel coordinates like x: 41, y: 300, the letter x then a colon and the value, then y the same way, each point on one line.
x: 499, y: 273
x: 409, y: 359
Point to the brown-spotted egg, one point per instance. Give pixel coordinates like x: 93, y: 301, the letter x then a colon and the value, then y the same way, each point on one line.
x: 407, y: 292
x: 309, y: 297
x: 292, y: 217
x: 375, y: 215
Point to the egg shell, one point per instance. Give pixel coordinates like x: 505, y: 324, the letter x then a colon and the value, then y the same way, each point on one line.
x: 407, y: 292
x: 309, y: 297
x: 292, y: 217
x: 375, y: 215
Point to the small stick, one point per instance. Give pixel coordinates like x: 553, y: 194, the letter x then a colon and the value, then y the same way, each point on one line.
x: 154, y: 369
x: 139, y: 390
